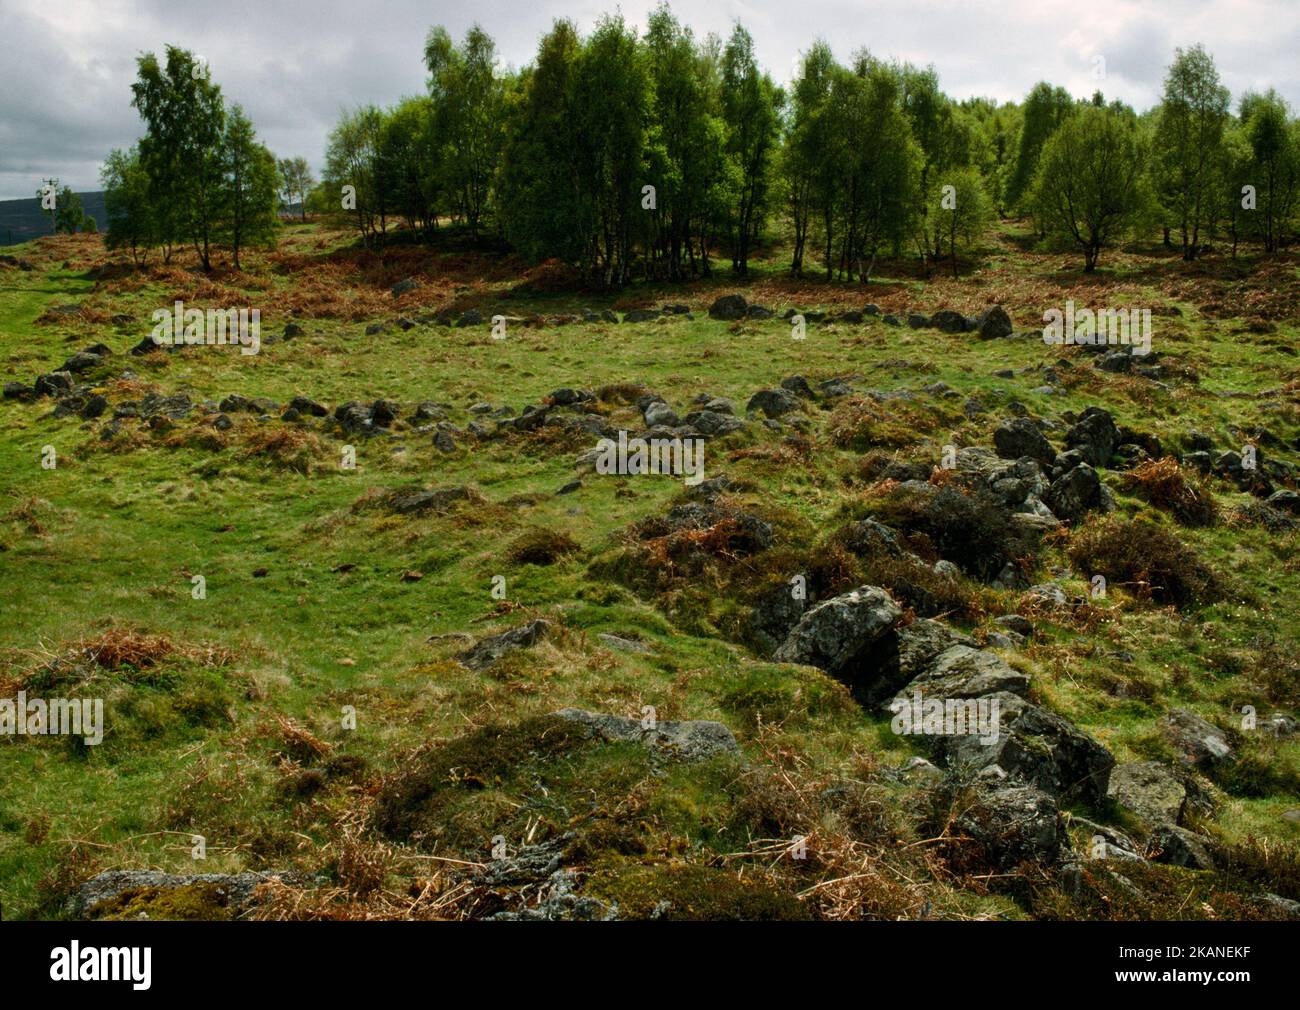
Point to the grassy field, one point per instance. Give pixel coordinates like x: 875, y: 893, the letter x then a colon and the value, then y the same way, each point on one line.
x: 224, y: 714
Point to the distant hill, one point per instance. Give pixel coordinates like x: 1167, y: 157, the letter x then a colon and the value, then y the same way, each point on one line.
x: 23, y: 220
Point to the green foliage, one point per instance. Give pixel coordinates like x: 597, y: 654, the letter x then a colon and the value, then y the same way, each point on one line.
x: 251, y: 182
x: 181, y: 151
x: 1090, y: 186
x: 131, y: 220
x: 1189, y: 142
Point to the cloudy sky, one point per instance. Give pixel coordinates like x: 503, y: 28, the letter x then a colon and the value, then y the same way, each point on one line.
x: 66, y: 67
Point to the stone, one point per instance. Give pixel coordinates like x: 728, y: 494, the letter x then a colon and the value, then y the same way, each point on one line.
x: 729, y: 307
x: 833, y: 634
x: 1150, y: 790
x: 773, y: 402
x: 1181, y: 847
x: 994, y: 323
x: 488, y: 650
x: 691, y: 740
x: 1018, y: 436
x: 1198, y: 743
x: 1095, y: 435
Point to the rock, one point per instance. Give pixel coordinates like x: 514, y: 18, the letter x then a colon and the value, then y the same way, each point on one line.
x: 1199, y: 743
x: 774, y: 616
x: 692, y: 740
x: 304, y: 405
x: 729, y: 307
x: 798, y: 385
x: 1116, y: 362
x: 773, y: 402
x: 892, y: 320
x: 708, y: 422
x: 1286, y: 906
x: 233, y: 891
x: 1019, y: 436
x: 443, y: 442
x: 1032, y: 745
x: 917, y: 321
x: 1013, y: 823
x: 471, y: 317
x: 623, y: 644
x: 18, y: 391
x: 961, y: 671
x: 383, y: 412
x: 871, y: 309
x: 1074, y: 495
x: 640, y: 315
x: 994, y: 323
x: 1095, y: 435
x: 1180, y: 847
x: 659, y: 414
x: 900, y: 656
x: 82, y: 361
x: 833, y: 634
x: 53, y: 383
x: 949, y: 321
x: 403, y: 286
x: 566, y: 397
x: 292, y: 330
x: 1150, y: 790
x: 1020, y: 625
x: 94, y: 406
x: 488, y: 650
x: 375, y: 329
x: 1286, y: 500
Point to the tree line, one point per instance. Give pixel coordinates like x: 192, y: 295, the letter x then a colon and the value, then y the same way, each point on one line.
x: 658, y: 155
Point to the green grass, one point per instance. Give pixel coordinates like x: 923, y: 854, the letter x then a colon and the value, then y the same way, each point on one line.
x: 112, y: 536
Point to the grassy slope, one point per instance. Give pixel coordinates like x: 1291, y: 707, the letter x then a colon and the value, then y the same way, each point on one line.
x: 110, y: 538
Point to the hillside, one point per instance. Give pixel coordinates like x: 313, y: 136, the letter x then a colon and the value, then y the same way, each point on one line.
x: 344, y: 668
x: 23, y: 220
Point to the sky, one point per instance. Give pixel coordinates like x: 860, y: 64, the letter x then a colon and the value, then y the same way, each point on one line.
x: 66, y: 67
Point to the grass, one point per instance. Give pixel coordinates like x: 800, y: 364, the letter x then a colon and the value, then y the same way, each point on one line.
x: 308, y: 612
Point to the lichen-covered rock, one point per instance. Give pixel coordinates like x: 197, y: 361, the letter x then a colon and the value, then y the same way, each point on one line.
x: 147, y: 894
x: 833, y: 634
x: 1034, y: 745
x: 1013, y: 823
x: 690, y: 740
